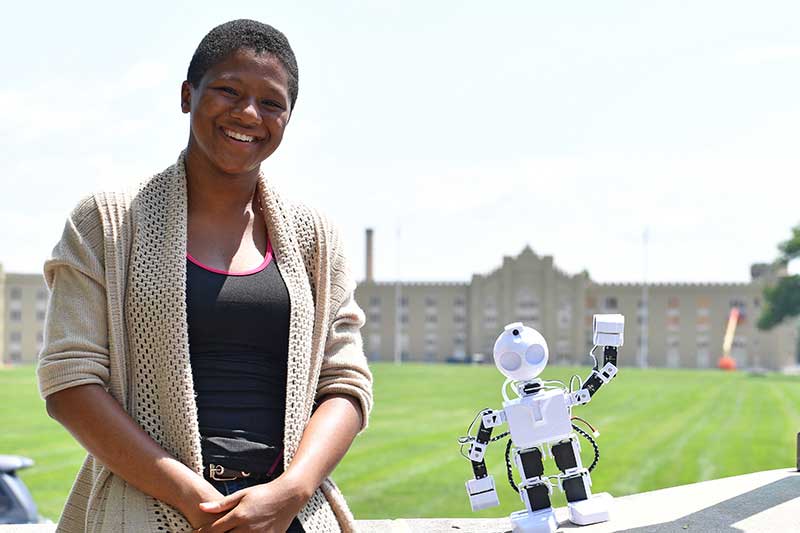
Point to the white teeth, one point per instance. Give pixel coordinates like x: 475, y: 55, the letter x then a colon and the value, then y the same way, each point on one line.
x: 239, y: 136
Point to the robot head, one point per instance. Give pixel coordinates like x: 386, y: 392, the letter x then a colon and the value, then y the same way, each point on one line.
x: 520, y: 353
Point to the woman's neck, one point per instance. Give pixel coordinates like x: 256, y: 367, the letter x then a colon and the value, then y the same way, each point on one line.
x: 213, y: 192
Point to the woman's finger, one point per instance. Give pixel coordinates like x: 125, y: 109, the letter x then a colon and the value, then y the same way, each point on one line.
x: 221, y: 525
x: 217, y: 506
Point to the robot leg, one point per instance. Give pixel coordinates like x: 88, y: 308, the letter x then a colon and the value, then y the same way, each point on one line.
x: 584, y: 507
x: 535, y: 490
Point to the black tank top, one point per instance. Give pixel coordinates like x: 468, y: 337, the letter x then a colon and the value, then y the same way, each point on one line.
x: 238, y: 345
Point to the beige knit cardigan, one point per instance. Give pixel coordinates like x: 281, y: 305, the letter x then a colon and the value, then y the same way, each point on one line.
x: 117, y: 317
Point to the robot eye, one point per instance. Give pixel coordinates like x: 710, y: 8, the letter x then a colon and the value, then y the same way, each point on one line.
x: 535, y: 354
x: 510, y: 361
x: 515, y: 332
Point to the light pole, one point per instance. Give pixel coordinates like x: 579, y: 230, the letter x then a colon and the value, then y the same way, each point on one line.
x: 644, y: 312
x: 398, y: 305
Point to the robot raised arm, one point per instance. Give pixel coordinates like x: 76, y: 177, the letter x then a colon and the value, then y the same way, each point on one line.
x: 608, y: 332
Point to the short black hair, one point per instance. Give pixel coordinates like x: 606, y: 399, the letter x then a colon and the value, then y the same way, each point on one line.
x: 229, y: 37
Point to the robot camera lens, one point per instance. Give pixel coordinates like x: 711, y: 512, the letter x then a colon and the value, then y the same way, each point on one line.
x: 515, y: 332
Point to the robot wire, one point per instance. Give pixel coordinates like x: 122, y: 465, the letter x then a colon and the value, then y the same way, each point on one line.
x: 509, y: 469
x: 592, y: 442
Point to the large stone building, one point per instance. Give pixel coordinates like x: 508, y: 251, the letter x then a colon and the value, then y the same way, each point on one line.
x: 23, y: 304
x: 671, y: 325
x: 667, y: 324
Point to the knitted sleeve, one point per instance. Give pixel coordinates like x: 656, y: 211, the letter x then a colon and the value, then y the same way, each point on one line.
x: 344, y: 366
x: 75, y: 347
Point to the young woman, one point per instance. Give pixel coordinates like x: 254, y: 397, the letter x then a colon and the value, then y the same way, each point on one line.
x: 202, y: 340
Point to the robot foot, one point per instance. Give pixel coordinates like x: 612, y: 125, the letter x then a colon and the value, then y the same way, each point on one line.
x: 591, y: 511
x: 542, y: 521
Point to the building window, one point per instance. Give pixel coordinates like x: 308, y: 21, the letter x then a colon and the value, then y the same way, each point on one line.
x: 527, y: 308
x: 702, y: 341
x: 374, y: 301
x: 673, y: 302
x: 375, y: 318
x: 40, y: 315
x: 374, y: 342
x: 15, y: 315
x: 404, y: 301
x: 15, y: 293
x: 563, y: 348
x: 611, y: 303
x: 16, y: 356
x: 404, y: 342
x: 564, y: 315
x: 673, y: 323
x: 39, y: 336
x: 431, y: 321
x: 430, y: 301
x: 15, y: 336
x: 459, y: 301
x: 738, y: 302
x: 703, y: 357
x: 673, y: 358
x: 673, y: 341
x: 41, y: 295
x: 742, y: 306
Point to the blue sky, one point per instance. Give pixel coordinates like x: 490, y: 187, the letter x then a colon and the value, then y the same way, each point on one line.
x: 460, y: 131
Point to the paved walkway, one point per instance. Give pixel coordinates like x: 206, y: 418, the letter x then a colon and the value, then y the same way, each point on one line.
x: 763, y: 502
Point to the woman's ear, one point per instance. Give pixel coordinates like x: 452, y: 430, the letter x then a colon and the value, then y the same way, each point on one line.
x: 186, y: 97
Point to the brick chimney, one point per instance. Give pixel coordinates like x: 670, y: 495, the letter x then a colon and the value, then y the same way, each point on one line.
x: 369, y: 276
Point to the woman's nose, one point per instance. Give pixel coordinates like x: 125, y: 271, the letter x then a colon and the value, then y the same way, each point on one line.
x: 246, y: 110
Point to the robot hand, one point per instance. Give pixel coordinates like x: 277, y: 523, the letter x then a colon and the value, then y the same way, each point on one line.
x: 608, y: 330
x: 482, y: 493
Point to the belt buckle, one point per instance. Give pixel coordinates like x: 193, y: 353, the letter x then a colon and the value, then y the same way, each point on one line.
x: 216, y: 472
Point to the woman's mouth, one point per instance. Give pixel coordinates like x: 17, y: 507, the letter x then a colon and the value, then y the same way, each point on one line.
x: 239, y: 136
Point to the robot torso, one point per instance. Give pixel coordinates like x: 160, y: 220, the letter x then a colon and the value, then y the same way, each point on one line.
x: 539, y: 418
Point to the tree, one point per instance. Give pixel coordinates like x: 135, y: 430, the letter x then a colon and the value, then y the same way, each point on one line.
x: 783, y: 299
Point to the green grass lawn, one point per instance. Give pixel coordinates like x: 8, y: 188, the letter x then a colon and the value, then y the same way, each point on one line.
x: 659, y: 428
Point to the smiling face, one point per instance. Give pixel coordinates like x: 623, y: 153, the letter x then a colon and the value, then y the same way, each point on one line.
x: 238, y: 113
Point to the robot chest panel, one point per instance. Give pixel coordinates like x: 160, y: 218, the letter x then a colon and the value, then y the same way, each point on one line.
x: 537, y: 419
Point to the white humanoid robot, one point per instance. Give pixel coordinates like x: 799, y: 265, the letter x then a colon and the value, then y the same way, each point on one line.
x: 540, y: 424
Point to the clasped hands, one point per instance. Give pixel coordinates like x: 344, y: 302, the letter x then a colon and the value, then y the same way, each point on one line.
x: 268, y: 507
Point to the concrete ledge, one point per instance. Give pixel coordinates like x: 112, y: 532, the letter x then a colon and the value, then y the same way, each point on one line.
x: 763, y: 502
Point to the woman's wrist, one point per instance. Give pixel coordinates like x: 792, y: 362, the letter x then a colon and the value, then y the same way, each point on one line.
x: 301, y: 487
x: 195, y: 490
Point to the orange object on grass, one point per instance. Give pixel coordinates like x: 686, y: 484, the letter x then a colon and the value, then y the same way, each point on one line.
x: 726, y: 363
